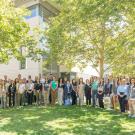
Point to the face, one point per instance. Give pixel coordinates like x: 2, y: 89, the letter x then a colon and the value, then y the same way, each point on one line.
x: 87, y: 81
x: 19, y: 76
x: 5, y: 77
x: 123, y: 82
x: 73, y: 81
x: 61, y: 80
x: 81, y: 80
x: 132, y: 81
x: 54, y: 78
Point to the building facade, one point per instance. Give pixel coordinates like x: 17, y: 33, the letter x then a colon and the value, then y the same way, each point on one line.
x: 41, y: 10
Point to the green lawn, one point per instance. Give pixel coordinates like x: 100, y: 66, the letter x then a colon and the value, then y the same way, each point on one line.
x: 64, y: 121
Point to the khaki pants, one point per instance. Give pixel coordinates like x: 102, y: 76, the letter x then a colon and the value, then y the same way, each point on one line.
x: 132, y: 106
x: 17, y: 102
x: 53, y: 97
x: 20, y: 99
x: 81, y: 97
x: 46, y: 97
x: 3, y: 101
x: 38, y: 97
x: 60, y: 96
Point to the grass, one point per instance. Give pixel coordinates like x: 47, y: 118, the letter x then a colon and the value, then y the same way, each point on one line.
x: 72, y: 120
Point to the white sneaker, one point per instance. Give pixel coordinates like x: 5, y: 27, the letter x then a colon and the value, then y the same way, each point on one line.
x: 130, y: 115
x: 133, y: 116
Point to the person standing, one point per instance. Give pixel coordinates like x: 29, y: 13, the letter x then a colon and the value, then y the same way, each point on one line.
x: 3, y: 101
x: 122, y: 92
x: 53, y: 89
x: 17, y: 93
x: 1, y: 89
x: 81, y: 88
x: 60, y: 91
x: 88, y: 92
x: 45, y: 90
x: 100, y: 93
x: 21, y: 90
x: 107, y: 88
x: 132, y: 99
x: 74, y: 92
x: 94, y: 89
x: 30, y: 89
x: 67, y: 93
x: 12, y: 93
x: 38, y: 89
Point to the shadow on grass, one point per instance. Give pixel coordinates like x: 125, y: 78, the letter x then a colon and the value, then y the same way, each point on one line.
x: 58, y: 120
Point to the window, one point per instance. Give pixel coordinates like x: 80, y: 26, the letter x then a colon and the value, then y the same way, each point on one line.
x: 33, y: 10
x: 23, y: 64
x: 23, y: 60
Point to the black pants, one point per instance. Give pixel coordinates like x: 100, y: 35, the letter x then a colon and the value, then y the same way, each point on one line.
x: 122, y: 101
x: 74, y: 98
x: 11, y: 99
x: 88, y: 99
x: 100, y: 100
x: 30, y: 98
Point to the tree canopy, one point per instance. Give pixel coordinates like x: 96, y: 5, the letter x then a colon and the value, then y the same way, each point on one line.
x: 100, y: 32
x: 15, y: 33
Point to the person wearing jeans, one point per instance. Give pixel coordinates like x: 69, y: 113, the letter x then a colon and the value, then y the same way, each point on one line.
x: 30, y: 88
x: 100, y: 93
x: 94, y: 92
x: 132, y: 99
x: 122, y: 92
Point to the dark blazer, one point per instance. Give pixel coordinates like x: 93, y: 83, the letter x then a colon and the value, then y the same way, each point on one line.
x: 12, y: 89
x: 67, y: 92
x: 87, y: 90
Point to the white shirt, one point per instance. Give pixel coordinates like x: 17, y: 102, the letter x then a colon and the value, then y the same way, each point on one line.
x: 30, y: 86
x: 21, y: 88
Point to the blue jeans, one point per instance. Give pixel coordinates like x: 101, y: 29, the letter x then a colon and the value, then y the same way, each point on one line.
x: 122, y: 101
x: 94, y: 97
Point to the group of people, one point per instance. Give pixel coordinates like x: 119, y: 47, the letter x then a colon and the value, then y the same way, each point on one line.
x: 49, y: 91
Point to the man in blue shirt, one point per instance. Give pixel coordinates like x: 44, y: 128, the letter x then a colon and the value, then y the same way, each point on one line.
x: 123, y: 93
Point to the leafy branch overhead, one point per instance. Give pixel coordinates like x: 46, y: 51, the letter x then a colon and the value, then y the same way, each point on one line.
x: 15, y: 33
x: 98, y: 32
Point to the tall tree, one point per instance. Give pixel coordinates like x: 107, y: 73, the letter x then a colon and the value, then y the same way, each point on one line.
x: 15, y: 33
x: 93, y: 31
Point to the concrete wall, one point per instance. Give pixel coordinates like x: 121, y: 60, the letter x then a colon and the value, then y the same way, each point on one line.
x: 12, y: 69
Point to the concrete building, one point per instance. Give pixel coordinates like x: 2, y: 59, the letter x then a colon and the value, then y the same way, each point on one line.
x: 41, y: 10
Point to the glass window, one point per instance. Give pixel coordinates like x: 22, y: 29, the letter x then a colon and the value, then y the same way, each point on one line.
x: 23, y: 64
x: 33, y: 10
x: 22, y: 61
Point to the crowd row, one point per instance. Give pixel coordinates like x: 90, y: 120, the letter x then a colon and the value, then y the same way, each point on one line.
x: 45, y: 91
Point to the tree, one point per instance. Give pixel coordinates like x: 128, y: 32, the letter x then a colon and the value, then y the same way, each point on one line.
x: 14, y: 33
x: 93, y: 31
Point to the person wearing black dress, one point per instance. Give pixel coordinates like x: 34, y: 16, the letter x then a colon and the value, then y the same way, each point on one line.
x: 88, y: 92
x: 12, y: 93
x: 74, y: 92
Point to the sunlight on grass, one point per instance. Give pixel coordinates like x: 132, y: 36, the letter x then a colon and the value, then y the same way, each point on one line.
x: 4, y: 121
x: 8, y: 133
x: 64, y: 121
x: 31, y: 118
x: 59, y: 123
x: 128, y: 127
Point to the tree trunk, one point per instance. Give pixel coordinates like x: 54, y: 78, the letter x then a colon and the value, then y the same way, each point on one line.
x: 101, y: 67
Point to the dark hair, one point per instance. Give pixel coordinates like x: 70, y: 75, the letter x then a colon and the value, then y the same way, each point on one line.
x: 74, y: 83
x: 60, y: 79
x: 82, y: 80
